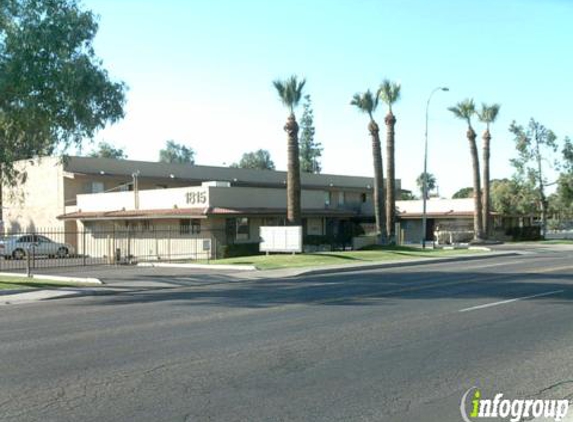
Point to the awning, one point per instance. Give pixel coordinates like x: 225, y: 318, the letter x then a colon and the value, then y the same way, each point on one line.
x: 199, y: 213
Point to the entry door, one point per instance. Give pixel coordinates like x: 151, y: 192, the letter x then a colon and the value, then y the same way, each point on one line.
x: 430, y: 224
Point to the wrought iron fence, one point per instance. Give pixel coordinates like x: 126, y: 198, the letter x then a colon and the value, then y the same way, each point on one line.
x: 44, y: 248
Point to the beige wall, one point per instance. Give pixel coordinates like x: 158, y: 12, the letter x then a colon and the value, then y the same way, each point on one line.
x: 37, y: 202
x: 199, y: 197
x: 161, y: 240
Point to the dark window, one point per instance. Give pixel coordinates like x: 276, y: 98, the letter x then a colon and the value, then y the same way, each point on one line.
x: 185, y: 226
x: 363, y: 197
x: 243, y: 228
x: 195, y: 226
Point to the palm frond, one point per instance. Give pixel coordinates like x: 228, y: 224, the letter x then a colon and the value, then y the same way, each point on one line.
x: 488, y: 114
x: 290, y: 91
x: 366, y: 102
x: 389, y: 92
x: 464, y: 110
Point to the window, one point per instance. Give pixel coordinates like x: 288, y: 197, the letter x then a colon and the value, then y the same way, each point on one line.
x: 195, y: 226
x: 190, y: 226
x: 26, y: 239
x: 243, y: 228
x: 97, y: 187
x: 327, y: 198
x: 185, y: 226
x: 93, y: 187
x: 363, y: 197
x: 341, y: 198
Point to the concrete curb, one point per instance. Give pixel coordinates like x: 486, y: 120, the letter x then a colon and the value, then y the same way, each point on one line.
x: 82, y: 280
x: 32, y: 296
x: 201, y: 266
x: 297, y: 272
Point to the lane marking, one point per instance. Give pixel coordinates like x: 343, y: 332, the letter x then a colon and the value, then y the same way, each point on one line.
x: 503, y: 302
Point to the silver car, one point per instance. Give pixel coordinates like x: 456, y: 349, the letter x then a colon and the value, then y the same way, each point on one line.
x: 16, y: 247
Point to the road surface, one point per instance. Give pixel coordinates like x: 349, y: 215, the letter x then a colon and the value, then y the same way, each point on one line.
x: 399, y: 344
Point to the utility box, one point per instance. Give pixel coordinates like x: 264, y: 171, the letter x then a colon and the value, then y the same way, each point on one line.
x: 285, y: 239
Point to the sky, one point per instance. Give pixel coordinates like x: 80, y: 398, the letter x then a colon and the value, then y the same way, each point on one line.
x: 201, y: 72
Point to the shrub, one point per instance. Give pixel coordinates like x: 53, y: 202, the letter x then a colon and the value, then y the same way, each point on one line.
x: 524, y: 233
x: 239, y: 249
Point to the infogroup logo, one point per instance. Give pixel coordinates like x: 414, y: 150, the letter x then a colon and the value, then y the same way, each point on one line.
x: 514, y: 410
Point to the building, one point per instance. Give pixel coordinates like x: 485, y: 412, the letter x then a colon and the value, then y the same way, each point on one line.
x: 451, y: 221
x: 220, y: 204
x: 108, y: 207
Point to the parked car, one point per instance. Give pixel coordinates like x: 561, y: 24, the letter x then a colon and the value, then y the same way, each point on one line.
x: 16, y: 247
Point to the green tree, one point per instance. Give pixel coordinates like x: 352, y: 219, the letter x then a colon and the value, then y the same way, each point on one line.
x: 310, y: 150
x: 464, y: 193
x: 54, y: 91
x: 259, y: 159
x: 513, y: 197
x: 406, y: 195
x: 561, y: 202
x: 107, y: 150
x: 176, y: 153
x: 431, y: 184
x: 465, y: 110
x: 488, y: 115
x: 367, y: 103
x: 389, y: 93
x: 567, y: 153
x: 534, y: 144
x: 290, y: 94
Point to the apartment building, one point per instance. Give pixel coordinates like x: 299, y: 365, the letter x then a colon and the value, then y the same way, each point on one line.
x: 229, y: 204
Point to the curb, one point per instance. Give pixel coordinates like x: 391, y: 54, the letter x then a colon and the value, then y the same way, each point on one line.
x: 297, y: 272
x: 82, y: 280
x: 33, y: 296
x: 201, y: 266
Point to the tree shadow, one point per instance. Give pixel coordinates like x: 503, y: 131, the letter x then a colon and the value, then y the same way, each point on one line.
x: 357, y: 289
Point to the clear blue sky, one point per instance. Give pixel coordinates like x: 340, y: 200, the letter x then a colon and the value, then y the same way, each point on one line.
x: 201, y: 72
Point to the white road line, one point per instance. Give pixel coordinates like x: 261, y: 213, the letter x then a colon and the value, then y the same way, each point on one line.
x: 503, y: 302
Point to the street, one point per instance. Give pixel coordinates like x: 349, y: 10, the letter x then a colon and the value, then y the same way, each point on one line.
x: 395, y: 344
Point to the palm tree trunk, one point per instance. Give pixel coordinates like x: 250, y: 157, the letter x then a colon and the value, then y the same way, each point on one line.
x: 293, y: 176
x: 390, y: 121
x: 486, y: 183
x: 542, y: 197
x: 378, y: 197
x: 478, y: 225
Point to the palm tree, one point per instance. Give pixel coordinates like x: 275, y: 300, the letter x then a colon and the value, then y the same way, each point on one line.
x: 431, y: 184
x: 367, y: 103
x: 389, y: 93
x: 290, y: 93
x: 465, y: 110
x: 487, y: 115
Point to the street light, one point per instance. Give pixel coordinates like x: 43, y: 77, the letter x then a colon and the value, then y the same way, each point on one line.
x: 425, y: 174
x: 135, y: 176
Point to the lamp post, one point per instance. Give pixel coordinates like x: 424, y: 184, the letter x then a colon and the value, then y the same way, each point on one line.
x: 135, y: 176
x: 425, y: 174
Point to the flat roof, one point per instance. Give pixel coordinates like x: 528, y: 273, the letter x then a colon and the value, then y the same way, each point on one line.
x: 200, y: 173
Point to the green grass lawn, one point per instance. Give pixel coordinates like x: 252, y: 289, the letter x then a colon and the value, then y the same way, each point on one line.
x: 264, y: 262
x: 17, y: 283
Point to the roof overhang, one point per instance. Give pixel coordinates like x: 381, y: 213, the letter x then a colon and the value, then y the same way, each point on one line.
x: 177, y: 213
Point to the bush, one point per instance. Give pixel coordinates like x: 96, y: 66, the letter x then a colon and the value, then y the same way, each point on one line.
x: 524, y: 233
x: 239, y: 249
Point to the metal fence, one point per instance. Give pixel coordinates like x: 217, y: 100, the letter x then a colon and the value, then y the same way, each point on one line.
x: 60, y: 248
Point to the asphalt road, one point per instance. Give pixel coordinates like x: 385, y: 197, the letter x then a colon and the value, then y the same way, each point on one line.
x: 400, y: 344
